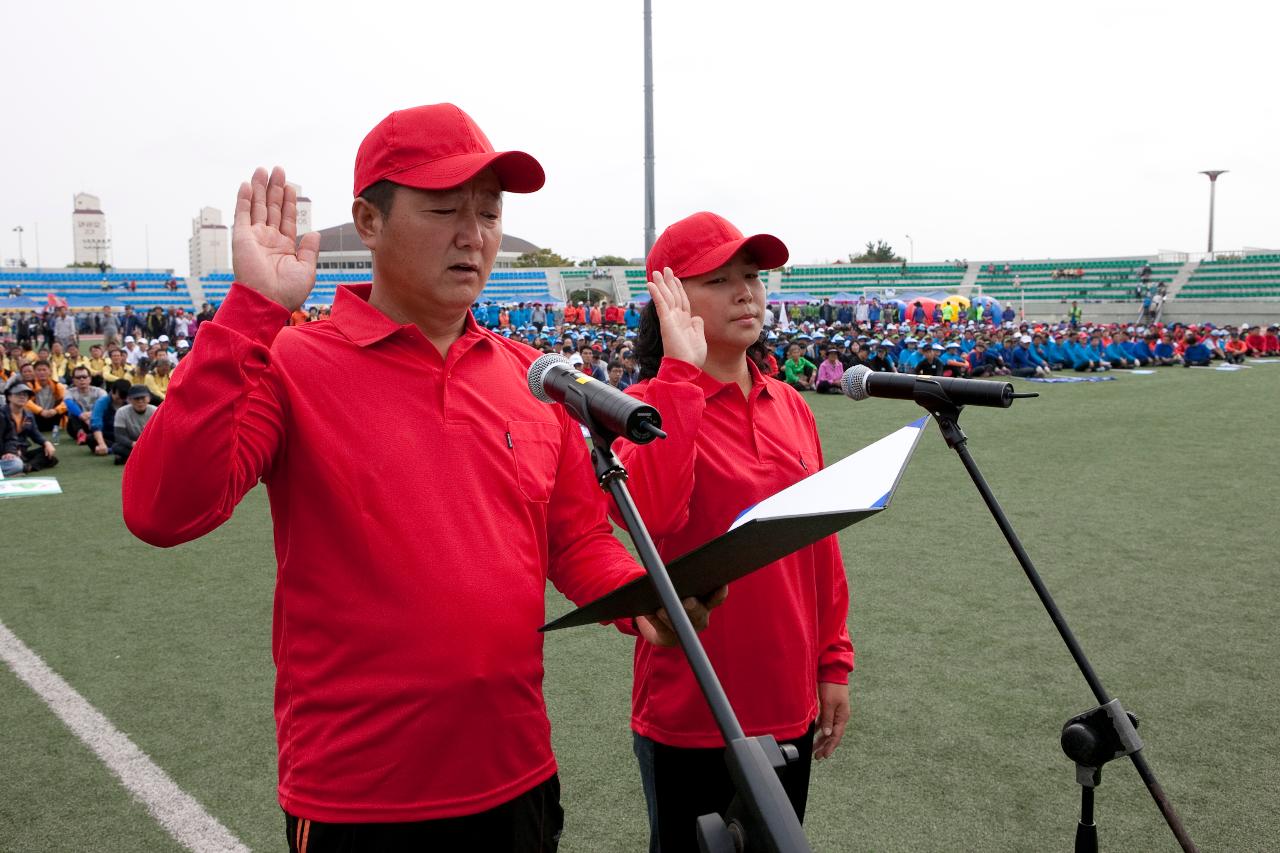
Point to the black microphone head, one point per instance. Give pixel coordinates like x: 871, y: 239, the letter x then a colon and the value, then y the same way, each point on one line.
x: 854, y: 382
x: 538, y: 371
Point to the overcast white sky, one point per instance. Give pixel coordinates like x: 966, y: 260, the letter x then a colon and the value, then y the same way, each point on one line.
x: 984, y: 130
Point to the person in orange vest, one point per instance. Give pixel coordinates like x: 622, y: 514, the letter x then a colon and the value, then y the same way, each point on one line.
x: 595, y: 315
x: 1236, y: 349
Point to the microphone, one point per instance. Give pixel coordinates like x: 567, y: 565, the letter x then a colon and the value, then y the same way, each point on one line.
x: 860, y: 382
x: 593, y: 403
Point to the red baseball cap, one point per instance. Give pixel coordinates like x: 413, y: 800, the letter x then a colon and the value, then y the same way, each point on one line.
x: 438, y: 147
x: 704, y: 242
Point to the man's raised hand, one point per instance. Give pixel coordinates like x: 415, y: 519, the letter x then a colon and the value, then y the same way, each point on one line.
x: 265, y: 254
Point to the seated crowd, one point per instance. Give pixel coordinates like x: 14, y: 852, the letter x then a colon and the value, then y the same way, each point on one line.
x: 104, y: 397
x: 101, y: 401
x: 814, y: 358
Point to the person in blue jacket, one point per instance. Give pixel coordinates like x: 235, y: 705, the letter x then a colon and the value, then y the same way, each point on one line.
x: 632, y: 317
x: 1117, y: 354
x: 1196, y: 354
x: 1137, y: 348
x: 1025, y: 361
x: 1052, y: 352
x: 996, y: 348
x: 954, y: 363
x: 1163, y: 350
x: 1093, y: 346
x: 981, y: 362
x: 1077, y: 353
x: 909, y: 357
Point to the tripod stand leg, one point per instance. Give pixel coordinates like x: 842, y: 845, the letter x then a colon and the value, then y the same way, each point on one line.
x: 1086, y: 830
x: 947, y: 415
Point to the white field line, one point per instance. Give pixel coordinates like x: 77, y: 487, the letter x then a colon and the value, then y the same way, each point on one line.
x: 175, y: 810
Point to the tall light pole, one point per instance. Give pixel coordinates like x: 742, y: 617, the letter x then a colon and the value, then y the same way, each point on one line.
x: 22, y: 261
x: 650, y: 231
x: 1213, y: 186
x: 913, y: 248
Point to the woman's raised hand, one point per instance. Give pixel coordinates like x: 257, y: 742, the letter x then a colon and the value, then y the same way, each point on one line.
x: 265, y: 252
x: 682, y: 333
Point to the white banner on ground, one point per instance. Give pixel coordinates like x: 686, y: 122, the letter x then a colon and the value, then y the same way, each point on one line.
x: 29, y: 487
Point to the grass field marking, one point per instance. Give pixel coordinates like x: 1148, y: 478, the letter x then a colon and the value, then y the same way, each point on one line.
x: 174, y: 809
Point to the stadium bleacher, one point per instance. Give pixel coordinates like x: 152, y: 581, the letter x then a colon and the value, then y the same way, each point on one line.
x: 1103, y: 280
x: 1231, y: 277
x: 82, y: 288
x: 1248, y: 277
x: 826, y: 281
x: 503, y: 286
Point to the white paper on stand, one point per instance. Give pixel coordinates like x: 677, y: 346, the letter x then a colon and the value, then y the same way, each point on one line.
x: 855, y: 488
x: 861, y: 481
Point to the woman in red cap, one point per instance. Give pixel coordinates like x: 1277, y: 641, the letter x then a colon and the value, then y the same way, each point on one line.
x: 779, y: 644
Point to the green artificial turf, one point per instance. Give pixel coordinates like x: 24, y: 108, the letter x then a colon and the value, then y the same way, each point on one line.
x: 1148, y: 504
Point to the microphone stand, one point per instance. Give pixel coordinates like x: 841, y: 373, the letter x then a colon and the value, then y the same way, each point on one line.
x: 760, y: 817
x: 1097, y: 736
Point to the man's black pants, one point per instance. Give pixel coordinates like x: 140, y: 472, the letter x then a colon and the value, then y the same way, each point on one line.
x: 531, y: 823
x: 681, y: 785
x: 45, y: 424
x: 35, y: 460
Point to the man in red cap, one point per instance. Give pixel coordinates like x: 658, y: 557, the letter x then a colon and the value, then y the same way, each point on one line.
x: 411, y: 561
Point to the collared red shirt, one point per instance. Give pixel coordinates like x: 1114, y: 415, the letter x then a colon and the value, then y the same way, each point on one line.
x: 412, y: 558
x: 782, y: 629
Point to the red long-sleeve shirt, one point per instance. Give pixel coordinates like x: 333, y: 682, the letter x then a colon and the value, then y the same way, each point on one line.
x: 782, y: 629
x: 414, y: 539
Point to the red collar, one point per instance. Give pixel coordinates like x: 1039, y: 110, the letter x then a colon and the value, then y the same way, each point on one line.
x: 365, y: 325
x: 711, y: 386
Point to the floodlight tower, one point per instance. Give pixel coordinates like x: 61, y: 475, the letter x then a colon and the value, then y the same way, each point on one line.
x: 650, y: 231
x: 22, y: 260
x: 1213, y: 185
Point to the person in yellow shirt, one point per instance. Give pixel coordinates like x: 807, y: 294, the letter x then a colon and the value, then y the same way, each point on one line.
x: 58, y: 361
x: 116, y: 368
x: 157, y: 381
x: 74, y: 360
x: 96, y: 364
x: 11, y: 361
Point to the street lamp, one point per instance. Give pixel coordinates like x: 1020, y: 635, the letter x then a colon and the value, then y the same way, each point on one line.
x: 913, y: 248
x: 650, y: 229
x: 22, y: 259
x: 1213, y: 185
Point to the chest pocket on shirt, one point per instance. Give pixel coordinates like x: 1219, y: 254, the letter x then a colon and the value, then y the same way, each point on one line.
x: 535, y: 449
